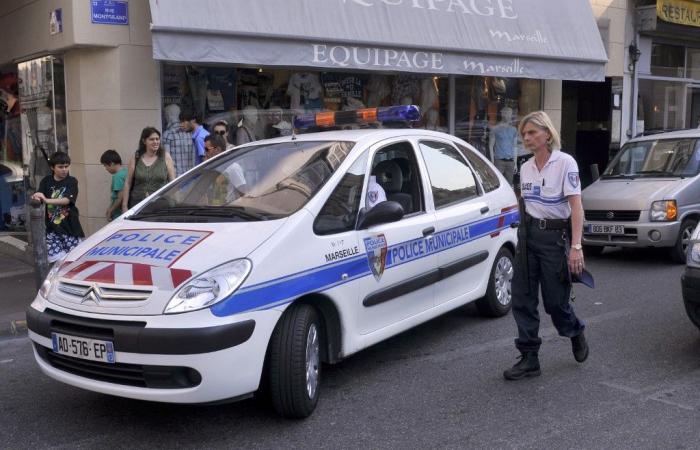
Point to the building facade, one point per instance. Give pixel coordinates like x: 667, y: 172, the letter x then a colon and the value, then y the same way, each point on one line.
x: 90, y: 75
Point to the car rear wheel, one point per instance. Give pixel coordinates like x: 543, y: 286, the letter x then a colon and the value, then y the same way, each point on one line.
x: 497, y: 301
x: 295, y: 362
x: 679, y: 251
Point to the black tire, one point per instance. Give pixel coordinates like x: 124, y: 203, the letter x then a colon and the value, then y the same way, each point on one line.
x: 593, y: 250
x: 491, y: 305
x: 288, y: 363
x: 678, y: 251
x: 693, y: 311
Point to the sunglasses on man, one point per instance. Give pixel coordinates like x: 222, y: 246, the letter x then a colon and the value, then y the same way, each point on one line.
x: 220, y: 132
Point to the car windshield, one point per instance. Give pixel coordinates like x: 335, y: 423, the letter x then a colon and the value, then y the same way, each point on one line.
x: 663, y: 157
x: 262, y: 182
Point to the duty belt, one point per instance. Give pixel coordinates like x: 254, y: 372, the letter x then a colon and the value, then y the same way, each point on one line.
x: 547, y: 224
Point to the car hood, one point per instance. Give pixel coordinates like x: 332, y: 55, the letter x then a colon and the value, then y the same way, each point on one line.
x: 634, y: 194
x: 134, y: 267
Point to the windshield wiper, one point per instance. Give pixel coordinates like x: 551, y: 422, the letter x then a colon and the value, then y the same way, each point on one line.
x: 655, y: 172
x: 620, y: 175
x: 202, y: 211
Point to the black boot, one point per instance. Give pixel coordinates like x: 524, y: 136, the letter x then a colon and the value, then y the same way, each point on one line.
x: 528, y: 366
x: 580, y: 347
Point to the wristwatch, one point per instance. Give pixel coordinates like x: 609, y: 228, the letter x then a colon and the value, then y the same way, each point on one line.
x: 577, y: 246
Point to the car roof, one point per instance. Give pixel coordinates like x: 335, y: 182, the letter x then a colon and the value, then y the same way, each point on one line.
x: 361, y: 135
x: 690, y: 133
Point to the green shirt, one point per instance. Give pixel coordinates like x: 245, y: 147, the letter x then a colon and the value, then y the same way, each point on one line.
x: 118, y: 180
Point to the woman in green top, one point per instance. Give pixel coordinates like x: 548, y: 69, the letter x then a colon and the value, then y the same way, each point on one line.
x: 150, y: 168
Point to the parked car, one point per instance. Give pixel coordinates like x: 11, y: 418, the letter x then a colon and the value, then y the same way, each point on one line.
x: 690, y: 280
x: 212, y: 288
x: 648, y: 196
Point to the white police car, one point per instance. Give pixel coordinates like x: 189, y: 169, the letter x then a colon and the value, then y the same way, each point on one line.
x: 256, y: 266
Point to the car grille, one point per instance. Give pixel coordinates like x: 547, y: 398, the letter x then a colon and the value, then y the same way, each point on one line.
x: 78, y: 291
x: 612, y: 215
x: 155, y: 377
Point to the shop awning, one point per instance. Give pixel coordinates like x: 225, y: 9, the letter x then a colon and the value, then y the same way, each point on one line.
x: 543, y: 39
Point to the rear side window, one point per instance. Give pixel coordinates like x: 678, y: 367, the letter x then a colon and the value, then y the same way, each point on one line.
x: 340, y: 211
x: 489, y: 179
x: 451, y: 179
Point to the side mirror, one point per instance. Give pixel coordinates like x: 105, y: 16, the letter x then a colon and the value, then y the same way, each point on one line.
x: 383, y: 212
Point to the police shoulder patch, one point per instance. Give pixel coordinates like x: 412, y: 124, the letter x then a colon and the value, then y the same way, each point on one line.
x: 573, y: 179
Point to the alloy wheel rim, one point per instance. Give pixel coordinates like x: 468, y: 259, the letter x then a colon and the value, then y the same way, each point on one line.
x: 685, y: 238
x: 503, y: 277
x: 312, y: 361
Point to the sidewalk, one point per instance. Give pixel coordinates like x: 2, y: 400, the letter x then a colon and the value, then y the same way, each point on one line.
x: 17, y: 290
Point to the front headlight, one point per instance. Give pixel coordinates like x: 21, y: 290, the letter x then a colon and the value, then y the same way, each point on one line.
x: 694, y: 253
x: 663, y: 210
x: 50, y: 279
x: 210, y: 287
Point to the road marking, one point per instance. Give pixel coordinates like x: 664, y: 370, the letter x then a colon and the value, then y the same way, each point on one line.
x: 547, y: 332
x: 14, y: 273
x: 5, y: 361
x: 620, y: 387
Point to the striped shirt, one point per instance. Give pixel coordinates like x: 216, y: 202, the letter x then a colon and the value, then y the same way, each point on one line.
x: 546, y: 192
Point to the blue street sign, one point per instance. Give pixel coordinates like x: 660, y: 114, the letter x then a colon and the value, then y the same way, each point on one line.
x: 109, y: 12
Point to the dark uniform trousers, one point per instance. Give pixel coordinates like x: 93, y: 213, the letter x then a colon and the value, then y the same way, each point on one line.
x: 546, y: 259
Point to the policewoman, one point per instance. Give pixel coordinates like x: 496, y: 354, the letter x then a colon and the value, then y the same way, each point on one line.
x: 549, y: 244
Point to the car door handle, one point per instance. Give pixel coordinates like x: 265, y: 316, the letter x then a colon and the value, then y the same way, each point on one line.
x: 428, y: 231
x: 484, y: 210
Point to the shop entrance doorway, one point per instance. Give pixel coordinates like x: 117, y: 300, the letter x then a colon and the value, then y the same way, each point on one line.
x: 693, y: 120
x: 585, y: 126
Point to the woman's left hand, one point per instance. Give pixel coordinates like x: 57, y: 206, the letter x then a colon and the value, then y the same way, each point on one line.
x: 576, y: 264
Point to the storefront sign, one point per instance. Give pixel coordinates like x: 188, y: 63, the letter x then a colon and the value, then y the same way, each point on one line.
x: 109, y: 12
x: 679, y: 11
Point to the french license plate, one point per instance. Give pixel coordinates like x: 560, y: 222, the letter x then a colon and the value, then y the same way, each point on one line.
x: 83, y: 348
x: 596, y: 228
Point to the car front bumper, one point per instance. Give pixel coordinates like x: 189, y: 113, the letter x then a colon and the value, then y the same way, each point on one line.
x: 158, y: 358
x: 690, y: 285
x: 637, y: 234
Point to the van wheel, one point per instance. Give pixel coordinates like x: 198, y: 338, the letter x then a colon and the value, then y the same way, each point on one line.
x: 295, y: 362
x: 680, y: 250
x: 498, y: 299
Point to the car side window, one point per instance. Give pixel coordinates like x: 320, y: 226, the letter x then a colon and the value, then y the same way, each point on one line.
x: 339, y: 213
x: 396, y: 171
x: 489, y: 179
x: 451, y: 178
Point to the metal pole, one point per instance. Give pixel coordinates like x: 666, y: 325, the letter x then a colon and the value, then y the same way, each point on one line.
x: 37, y: 229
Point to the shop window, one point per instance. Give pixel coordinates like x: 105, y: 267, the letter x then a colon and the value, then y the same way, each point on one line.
x: 12, y: 195
x: 694, y: 64
x: 667, y: 60
x: 661, y: 105
x: 261, y: 103
x: 484, y: 103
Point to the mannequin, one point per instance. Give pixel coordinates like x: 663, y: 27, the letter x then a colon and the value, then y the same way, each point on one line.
x: 503, y: 145
x: 246, y: 127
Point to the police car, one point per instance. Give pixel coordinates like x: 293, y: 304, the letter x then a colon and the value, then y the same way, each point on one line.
x: 255, y: 267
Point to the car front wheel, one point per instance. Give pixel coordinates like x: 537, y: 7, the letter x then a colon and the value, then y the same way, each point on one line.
x: 679, y: 251
x: 497, y: 301
x: 693, y: 311
x: 295, y: 362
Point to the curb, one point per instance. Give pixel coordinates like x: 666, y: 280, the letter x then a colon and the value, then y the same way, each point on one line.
x: 13, y: 328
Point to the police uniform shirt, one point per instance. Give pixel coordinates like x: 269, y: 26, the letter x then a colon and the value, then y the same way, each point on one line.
x: 545, y: 192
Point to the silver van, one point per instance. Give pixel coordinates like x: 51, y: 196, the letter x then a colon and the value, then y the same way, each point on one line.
x: 648, y: 196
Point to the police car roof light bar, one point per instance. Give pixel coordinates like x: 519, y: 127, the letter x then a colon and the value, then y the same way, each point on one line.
x: 403, y: 113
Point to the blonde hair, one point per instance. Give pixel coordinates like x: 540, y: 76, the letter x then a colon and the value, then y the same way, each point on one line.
x: 541, y: 120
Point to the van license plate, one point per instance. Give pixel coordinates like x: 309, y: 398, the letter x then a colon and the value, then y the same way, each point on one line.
x: 606, y: 229
x: 83, y: 348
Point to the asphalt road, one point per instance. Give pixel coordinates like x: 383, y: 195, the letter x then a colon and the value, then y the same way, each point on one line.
x: 437, y: 386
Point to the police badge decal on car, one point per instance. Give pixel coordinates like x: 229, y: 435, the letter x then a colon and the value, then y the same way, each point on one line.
x: 376, y: 254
